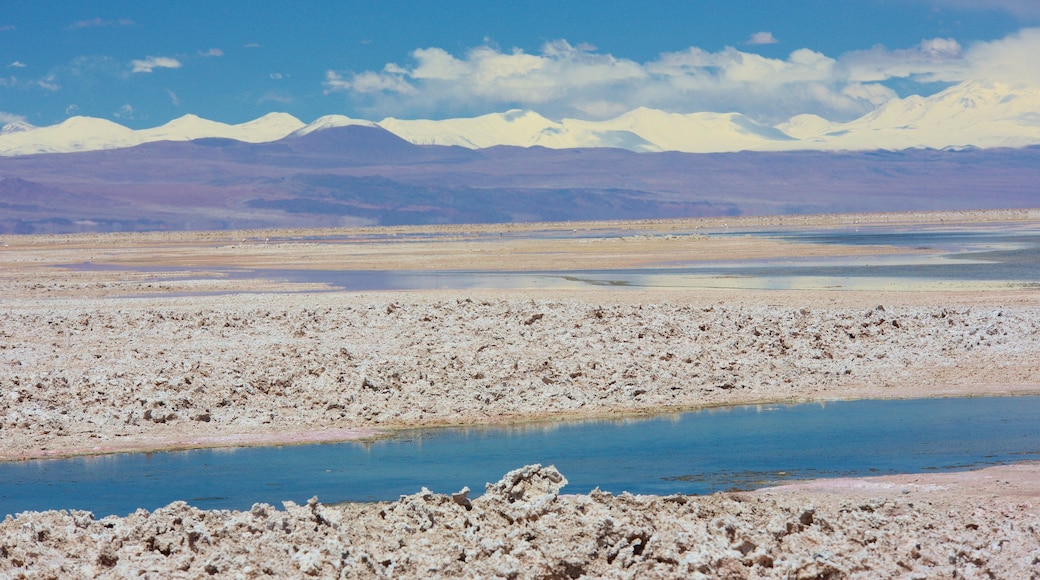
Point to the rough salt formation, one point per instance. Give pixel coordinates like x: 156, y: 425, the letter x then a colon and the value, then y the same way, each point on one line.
x: 81, y: 373
x: 522, y: 528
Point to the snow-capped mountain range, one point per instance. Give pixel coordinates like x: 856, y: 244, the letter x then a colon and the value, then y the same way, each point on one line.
x: 965, y: 115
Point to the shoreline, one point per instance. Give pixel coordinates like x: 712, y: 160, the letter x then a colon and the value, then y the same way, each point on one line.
x: 86, y: 373
x: 350, y: 435
x: 968, y: 524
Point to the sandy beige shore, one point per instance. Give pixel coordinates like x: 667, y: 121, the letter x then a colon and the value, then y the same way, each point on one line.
x: 98, y: 359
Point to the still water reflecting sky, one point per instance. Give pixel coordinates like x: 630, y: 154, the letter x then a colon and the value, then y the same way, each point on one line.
x: 699, y: 452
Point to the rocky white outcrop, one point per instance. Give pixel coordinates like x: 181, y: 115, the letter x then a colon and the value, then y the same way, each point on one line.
x: 80, y: 373
x: 521, y: 527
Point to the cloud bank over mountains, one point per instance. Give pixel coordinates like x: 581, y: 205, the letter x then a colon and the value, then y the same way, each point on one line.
x: 576, y: 95
x: 565, y: 80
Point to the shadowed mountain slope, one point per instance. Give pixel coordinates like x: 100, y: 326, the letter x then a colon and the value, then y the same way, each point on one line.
x: 359, y: 174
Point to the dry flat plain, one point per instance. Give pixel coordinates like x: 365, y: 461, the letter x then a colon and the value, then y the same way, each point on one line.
x: 158, y: 341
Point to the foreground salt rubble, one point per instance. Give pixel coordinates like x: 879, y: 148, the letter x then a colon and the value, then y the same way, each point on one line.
x: 84, y: 375
x: 523, y: 528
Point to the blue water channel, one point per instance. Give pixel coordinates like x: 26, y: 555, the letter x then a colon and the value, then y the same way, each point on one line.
x: 691, y: 453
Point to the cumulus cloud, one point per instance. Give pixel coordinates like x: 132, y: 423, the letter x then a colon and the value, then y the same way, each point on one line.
x: 211, y: 52
x: 1008, y: 60
x: 931, y: 59
x: 151, y: 63
x: 16, y: 64
x: 564, y: 80
x: 1011, y: 60
x: 101, y: 23
x: 762, y: 38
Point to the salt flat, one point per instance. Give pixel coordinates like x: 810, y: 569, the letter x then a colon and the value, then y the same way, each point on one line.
x: 145, y: 341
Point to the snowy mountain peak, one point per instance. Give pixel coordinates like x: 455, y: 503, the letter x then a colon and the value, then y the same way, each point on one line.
x: 330, y: 122
x: 965, y: 115
x: 184, y: 129
x: 806, y: 125
x: 16, y: 127
x: 270, y: 127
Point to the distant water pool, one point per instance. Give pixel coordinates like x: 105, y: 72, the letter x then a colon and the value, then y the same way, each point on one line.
x: 694, y: 453
x: 983, y: 258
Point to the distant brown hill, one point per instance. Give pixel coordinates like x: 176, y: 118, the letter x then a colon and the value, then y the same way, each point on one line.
x: 359, y: 175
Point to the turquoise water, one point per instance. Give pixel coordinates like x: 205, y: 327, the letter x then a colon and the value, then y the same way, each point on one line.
x: 694, y: 453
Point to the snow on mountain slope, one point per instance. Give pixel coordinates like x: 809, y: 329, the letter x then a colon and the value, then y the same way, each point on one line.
x: 969, y: 114
x: 91, y: 134
x: 329, y: 122
x: 806, y: 125
x: 270, y: 127
x: 16, y: 127
x: 515, y: 127
x: 72, y: 134
x: 185, y: 128
x: 694, y: 132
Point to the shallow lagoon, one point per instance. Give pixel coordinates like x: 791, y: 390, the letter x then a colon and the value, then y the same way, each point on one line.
x: 994, y: 256
x: 940, y: 259
x: 698, y: 452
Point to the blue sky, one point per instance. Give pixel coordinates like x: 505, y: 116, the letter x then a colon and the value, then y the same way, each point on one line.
x: 144, y: 63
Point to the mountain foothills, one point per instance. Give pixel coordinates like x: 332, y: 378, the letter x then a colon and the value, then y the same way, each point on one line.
x: 971, y: 146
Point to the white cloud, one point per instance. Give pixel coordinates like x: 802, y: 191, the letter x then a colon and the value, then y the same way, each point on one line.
x: 71, y: 110
x: 368, y: 82
x: 124, y: 112
x: 762, y: 38
x: 6, y: 118
x: 937, y: 56
x: 564, y: 80
x: 153, y: 62
x: 49, y: 83
x: 16, y: 64
x: 101, y: 23
x: 6, y: 27
x: 211, y: 52
x: 1009, y: 59
x: 174, y: 99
